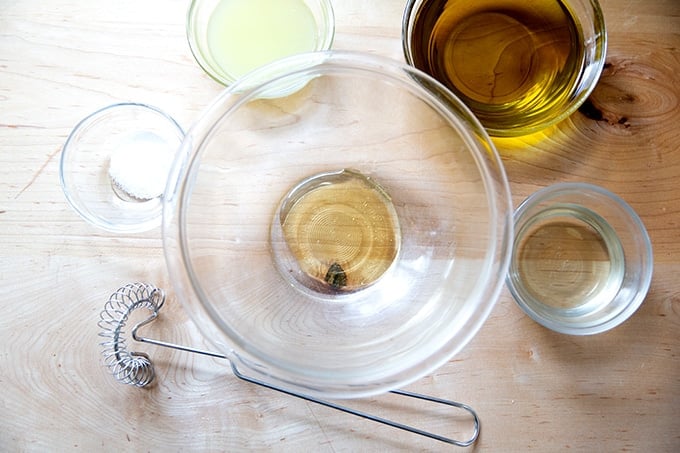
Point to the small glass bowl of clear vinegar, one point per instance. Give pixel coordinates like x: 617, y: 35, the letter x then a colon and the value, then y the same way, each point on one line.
x: 582, y: 259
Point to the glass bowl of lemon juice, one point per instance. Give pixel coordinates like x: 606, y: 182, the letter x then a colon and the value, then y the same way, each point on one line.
x: 230, y: 38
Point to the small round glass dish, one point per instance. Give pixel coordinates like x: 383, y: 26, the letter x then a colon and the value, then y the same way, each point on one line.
x: 344, y: 239
x: 114, y: 166
x: 582, y: 259
x: 229, y: 38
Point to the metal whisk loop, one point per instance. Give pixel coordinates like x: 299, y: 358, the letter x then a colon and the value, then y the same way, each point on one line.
x: 128, y: 367
x: 375, y: 418
x: 136, y: 369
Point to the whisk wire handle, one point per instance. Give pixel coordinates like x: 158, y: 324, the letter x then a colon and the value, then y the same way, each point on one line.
x: 375, y: 418
x: 135, y: 368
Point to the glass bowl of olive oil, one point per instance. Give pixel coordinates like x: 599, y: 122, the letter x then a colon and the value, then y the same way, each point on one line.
x: 342, y: 239
x: 582, y: 259
x: 230, y: 38
x: 520, y: 66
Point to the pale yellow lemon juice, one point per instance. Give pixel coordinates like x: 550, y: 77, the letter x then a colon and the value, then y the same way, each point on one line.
x: 245, y: 34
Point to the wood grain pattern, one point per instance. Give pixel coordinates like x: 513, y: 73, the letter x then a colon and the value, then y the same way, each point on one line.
x: 534, y: 389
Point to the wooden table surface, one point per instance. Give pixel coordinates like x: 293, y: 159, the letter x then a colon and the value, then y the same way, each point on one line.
x: 533, y: 389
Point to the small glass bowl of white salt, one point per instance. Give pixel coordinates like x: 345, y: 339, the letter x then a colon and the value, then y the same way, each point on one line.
x: 115, y: 164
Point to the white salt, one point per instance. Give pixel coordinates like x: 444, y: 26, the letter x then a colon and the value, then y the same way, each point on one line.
x: 139, y: 166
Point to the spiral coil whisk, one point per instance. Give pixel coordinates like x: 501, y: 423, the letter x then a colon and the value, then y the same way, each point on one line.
x: 136, y: 368
x: 133, y: 368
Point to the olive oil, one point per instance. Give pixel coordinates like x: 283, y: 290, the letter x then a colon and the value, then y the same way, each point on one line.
x: 512, y: 62
x: 336, y: 233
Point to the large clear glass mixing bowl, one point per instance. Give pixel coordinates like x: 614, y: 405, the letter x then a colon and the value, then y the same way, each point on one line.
x: 342, y: 229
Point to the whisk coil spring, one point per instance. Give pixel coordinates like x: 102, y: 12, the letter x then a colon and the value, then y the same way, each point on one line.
x: 128, y: 367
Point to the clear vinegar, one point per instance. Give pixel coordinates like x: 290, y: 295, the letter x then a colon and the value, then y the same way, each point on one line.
x: 568, y: 261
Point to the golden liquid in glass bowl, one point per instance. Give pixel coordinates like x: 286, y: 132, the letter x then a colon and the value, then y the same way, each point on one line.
x: 512, y: 62
x: 340, y: 230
